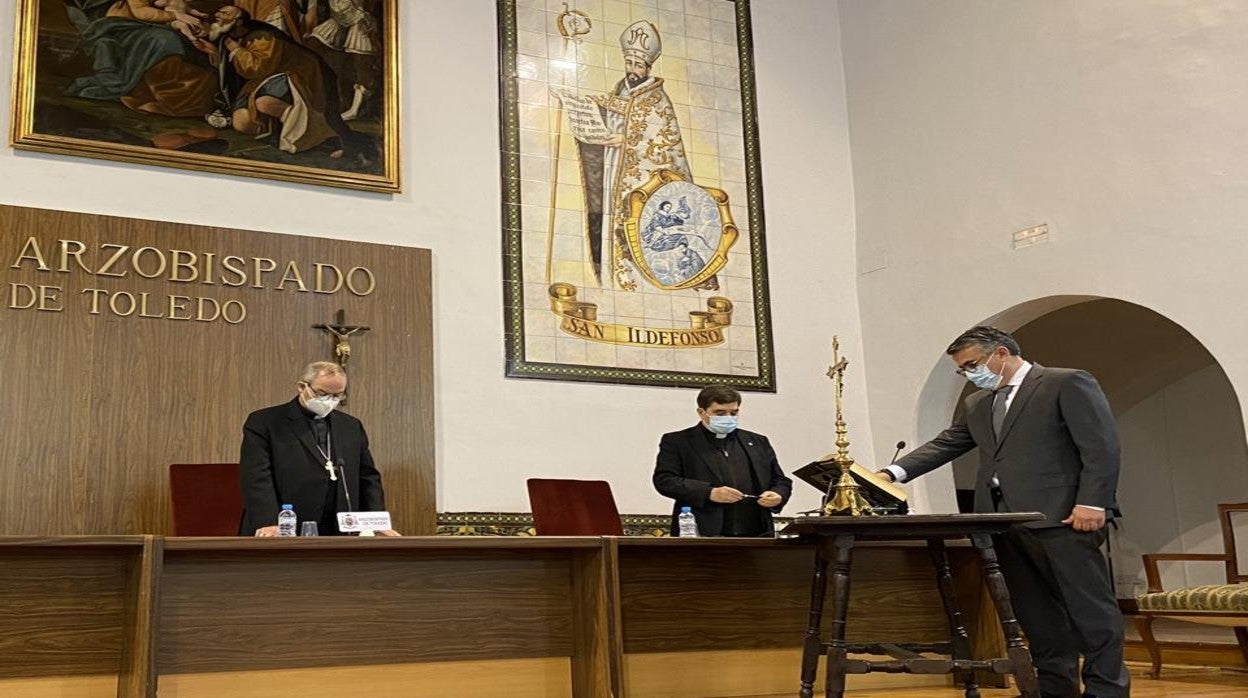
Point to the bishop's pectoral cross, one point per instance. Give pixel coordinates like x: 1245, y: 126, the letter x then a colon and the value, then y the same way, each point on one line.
x: 341, y: 331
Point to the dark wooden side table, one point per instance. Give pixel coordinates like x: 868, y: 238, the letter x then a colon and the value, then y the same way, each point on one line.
x: 834, y: 539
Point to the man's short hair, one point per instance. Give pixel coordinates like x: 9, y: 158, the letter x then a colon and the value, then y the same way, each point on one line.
x: 316, y: 369
x: 986, y: 338
x: 718, y: 394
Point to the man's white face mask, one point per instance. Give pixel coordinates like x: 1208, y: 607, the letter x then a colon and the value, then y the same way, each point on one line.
x: 321, y: 405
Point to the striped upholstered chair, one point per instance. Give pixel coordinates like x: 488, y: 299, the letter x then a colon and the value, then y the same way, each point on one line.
x: 1212, y: 604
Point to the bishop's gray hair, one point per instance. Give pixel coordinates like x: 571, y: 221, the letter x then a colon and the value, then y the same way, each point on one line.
x: 316, y: 369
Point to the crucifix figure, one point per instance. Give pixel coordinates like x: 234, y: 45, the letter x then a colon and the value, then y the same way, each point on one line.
x: 341, y: 331
x: 837, y: 372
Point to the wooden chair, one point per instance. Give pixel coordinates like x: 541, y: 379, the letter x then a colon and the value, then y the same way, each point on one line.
x: 574, y: 508
x: 1212, y: 604
x: 206, y: 499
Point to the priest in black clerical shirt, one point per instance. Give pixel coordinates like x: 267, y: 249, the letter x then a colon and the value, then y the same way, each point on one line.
x: 728, y: 477
x: 306, y: 454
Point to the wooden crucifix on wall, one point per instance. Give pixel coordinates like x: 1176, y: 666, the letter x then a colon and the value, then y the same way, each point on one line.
x: 341, y: 332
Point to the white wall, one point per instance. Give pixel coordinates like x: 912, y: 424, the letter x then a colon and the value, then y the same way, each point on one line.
x: 493, y: 432
x: 1120, y: 125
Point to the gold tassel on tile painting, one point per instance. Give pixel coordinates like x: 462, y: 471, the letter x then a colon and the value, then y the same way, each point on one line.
x: 846, y: 499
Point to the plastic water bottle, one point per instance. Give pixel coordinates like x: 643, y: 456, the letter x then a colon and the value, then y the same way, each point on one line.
x: 286, y: 521
x: 686, y: 524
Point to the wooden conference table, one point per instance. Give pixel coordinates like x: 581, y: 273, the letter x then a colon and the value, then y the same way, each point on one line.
x: 445, y: 616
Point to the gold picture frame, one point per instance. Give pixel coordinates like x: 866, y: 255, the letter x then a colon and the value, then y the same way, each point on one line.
x: 55, y: 41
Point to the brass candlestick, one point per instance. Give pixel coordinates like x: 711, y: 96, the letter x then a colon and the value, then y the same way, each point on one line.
x: 847, y: 499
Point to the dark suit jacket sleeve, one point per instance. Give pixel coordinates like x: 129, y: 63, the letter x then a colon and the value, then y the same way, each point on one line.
x: 1091, y: 425
x: 669, y: 476
x: 948, y: 445
x: 255, y: 473
x: 780, y: 483
x: 371, y: 496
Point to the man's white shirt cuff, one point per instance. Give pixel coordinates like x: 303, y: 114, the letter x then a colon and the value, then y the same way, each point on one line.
x: 898, y: 472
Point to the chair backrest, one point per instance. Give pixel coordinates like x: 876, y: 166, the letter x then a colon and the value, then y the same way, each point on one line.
x: 1226, y: 513
x: 574, y: 508
x: 206, y: 499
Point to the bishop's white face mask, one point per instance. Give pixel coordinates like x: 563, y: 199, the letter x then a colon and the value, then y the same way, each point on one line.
x: 321, y: 405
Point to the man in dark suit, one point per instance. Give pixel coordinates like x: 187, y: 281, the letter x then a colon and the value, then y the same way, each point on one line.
x: 1048, y: 443
x: 306, y: 454
x: 729, y: 477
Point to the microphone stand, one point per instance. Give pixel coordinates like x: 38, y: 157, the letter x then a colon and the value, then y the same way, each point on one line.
x: 900, y: 445
x: 347, y: 491
x: 342, y: 475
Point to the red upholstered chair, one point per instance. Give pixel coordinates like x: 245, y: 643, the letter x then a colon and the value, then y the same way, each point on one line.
x: 574, y: 508
x: 206, y: 499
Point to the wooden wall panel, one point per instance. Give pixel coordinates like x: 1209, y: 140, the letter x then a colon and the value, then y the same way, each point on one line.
x: 590, y: 617
x: 43, y: 455
x: 232, y: 611
x: 62, y: 611
x: 102, y: 404
x: 676, y: 599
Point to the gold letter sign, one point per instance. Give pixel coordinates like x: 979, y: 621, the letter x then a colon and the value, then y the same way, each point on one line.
x: 136, y: 265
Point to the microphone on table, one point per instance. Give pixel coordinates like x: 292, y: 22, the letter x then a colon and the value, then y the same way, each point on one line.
x: 900, y: 445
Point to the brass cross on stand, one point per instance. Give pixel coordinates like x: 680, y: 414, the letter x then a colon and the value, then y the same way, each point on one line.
x: 847, y: 499
x: 341, y: 331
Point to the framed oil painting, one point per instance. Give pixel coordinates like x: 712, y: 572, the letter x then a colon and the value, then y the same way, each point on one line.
x: 296, y: 90
x: 632, y: 197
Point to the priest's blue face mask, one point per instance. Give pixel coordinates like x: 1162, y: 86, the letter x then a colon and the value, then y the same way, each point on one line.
x: 723, y: 424
x: 983, y: 377
x: 720, y: 418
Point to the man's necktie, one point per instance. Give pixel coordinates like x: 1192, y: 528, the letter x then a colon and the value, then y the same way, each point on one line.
x: 999, y: 401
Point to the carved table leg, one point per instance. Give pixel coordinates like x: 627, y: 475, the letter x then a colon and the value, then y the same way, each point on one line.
x: 957, y: 630
x: 813, y: 645
x: 843, y: 550
x: 1016, y: 649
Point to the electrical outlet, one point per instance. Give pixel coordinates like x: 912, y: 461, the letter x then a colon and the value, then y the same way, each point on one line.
x: 1031, y: 236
